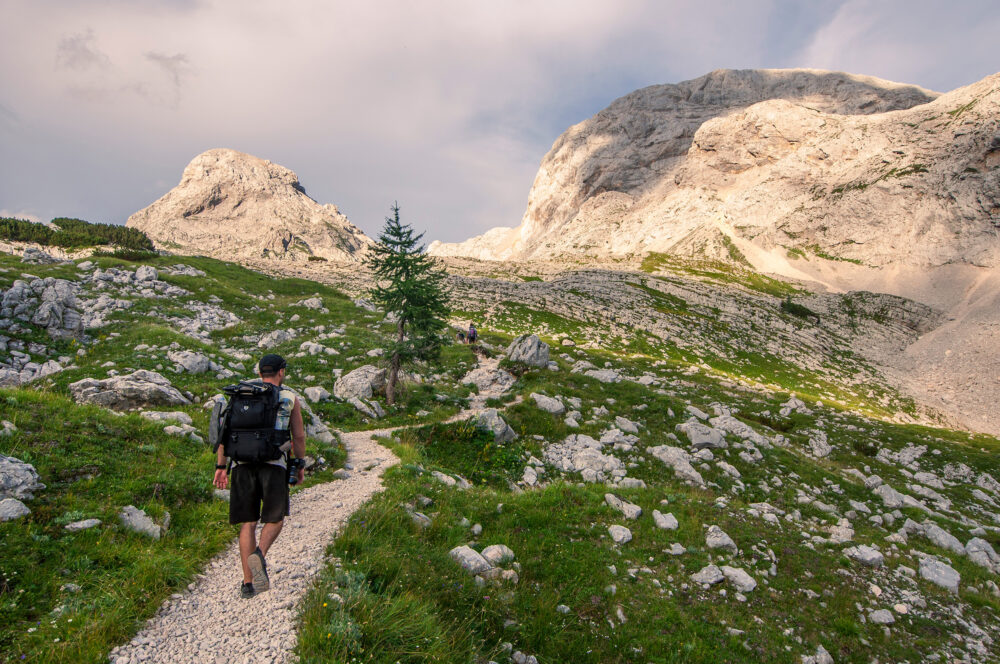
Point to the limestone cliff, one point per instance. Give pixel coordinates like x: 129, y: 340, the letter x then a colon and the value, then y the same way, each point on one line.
x: 236, y: 206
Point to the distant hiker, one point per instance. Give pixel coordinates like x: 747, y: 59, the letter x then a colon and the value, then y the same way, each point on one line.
x: 260, y: 424
x: 472, y: 335
x: 461, y: 337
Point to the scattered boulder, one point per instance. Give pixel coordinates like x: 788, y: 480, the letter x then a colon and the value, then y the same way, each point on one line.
x: 665, y: 521
x: 702, y: 436
x: 137, y: 521
x: 146, y: 273
x: 168, y: 416
x: 940, y: 573
x: 310, y: 303
x: 680, y: 461
x: 881, y: 617
x: 981, y: 552
x: 580, y: 453
x: 18, y: 479
x: 708, y: 575
x: 737, y: 576
x: 489, y: 380
x: 275, y: 338
x: 620, y: 534
x: 363, y: 383
x: 497, y: 554
x: 86, y: 524
x: 316, y: 393
x: 628, y: 509
x: 529, y: 349
x: 865, y: 555
x: 470, y: 559
x: 626, y: 425
x: 490, y: 419
x: 716, y: 538
x: 941, y: 537
x: 12, y: 508
x: 141, y: 388
x: 372, y: 409
x: 191, y: 362
x: 548, y: 404
x: 604, y: 375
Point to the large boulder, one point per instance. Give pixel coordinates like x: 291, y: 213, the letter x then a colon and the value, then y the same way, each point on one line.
x: 489, y: 380
x: 191, y: 362
x: 18, y: 479
x: 12, y: 508
x: 141, y: 388
x: 529, y: 349
x: 679, y: 460
x: 362, y: 383
x: 490, y: 419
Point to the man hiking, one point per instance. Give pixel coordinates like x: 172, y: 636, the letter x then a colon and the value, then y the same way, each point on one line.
x: 472, y: 336
x: 262, y: 416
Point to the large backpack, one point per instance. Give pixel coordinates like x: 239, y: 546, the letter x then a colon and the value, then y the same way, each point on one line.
x: 246, y: 423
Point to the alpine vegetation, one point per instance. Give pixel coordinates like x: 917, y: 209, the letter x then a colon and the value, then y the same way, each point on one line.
x: 410, y: 287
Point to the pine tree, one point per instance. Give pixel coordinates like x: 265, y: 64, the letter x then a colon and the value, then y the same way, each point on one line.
x: 410, y: 285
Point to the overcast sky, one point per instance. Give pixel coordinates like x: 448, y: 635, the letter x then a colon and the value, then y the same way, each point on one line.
x: 446, y: 106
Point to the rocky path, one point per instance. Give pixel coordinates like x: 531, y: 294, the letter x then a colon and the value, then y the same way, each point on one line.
x: 211, y: 623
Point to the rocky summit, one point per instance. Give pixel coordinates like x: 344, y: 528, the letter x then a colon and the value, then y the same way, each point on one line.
x: 234, y: 205
x: 773, y: 161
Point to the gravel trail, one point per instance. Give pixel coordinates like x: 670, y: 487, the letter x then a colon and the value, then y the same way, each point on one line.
x: 210, y: 623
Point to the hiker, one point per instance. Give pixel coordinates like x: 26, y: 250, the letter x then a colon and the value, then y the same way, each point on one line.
x: 260, y: 486
x: 472, y: 336
x: 460, y: 337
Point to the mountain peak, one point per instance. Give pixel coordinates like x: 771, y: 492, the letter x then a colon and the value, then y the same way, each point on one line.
x: 230, y: 204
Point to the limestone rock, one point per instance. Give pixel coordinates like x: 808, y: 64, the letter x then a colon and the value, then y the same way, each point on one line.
x: 680, y: 461
x: 497, y: 554
x: 708, y: 575
x: 470, y: 559
x: 12, y: 508
x: 529, y: 349
x: 141, y: 388
x: 981, y: 552
x: 85, y: 524
x: 626, y: 508
x: 137, y: 521
x: 233, y: 205
x: 865, y: 555
x: 716, y: 538
x: 363, y: 383
x: 490, y: 419
x: 489, y: 380
x: 702, y: 436
x: 664, y: 521
x: 739, y: 578
x: 940, y: 573
x: 548, y: 404
x: 620, y: 534
x: 195, y: 363
x: 316, y: 394
x: 18, y: 479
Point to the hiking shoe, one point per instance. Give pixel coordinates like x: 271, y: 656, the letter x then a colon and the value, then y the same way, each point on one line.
x: 258, y: 567
x: 246, y: 590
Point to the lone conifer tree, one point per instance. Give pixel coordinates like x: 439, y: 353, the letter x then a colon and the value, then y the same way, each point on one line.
x: 409, y: 284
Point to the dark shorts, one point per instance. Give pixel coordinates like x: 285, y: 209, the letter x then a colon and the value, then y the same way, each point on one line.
x: 258, y: 492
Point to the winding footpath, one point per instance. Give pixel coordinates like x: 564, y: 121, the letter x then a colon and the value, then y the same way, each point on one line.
x: 211, y: 624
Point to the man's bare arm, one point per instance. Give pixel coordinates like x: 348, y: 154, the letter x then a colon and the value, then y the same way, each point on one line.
x: 298, y: 431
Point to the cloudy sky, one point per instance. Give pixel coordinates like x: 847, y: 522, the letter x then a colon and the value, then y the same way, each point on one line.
x: 446, y: 106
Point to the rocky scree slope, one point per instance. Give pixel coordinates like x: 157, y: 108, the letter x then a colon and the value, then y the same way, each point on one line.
x: 234, y: 205
x: 846, y: 166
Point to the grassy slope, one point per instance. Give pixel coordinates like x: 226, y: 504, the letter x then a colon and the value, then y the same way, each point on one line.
x: 124, y: 576
x: 559, y: 534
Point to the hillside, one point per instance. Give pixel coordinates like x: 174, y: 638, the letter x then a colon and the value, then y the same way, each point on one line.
x: 233, y: 205
x: 684, y: 484
x: 794, y: 162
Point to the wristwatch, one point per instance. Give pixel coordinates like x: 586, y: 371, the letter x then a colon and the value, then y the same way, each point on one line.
x: 219, y: 466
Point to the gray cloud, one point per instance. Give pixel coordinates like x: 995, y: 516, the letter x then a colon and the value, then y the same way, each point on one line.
x: 79, y: 52
x: 174, y: 66
x: 447, y: 107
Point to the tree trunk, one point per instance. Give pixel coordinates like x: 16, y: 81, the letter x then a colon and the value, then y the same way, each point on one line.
x: 390, y: 388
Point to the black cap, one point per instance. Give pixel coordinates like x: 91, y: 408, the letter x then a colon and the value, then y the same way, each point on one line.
x: 271, y: 363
